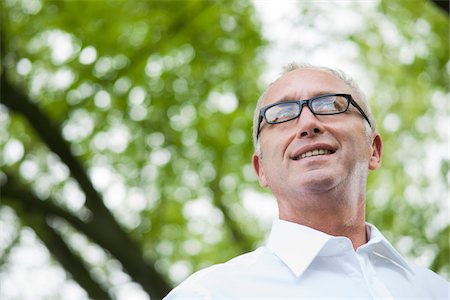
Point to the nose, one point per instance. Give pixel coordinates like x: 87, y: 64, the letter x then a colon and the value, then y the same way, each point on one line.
x: 308, y: 125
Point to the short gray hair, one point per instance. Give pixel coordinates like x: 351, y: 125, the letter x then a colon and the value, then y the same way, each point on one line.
x: 335, y: 72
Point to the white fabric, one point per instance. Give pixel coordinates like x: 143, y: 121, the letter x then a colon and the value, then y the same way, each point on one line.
x: 302, y: 263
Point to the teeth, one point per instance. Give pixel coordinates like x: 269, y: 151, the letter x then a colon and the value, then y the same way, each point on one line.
x: 315, y: 152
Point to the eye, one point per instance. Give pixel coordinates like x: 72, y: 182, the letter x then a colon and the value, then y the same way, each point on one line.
x: 330, y: 105
x: 282, y: 112
x: 324, y: 104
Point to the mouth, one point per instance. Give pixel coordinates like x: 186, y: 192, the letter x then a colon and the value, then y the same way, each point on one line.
x: 313, y: 152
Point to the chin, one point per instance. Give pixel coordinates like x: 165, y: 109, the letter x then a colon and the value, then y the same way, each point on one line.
x: 320, y: 184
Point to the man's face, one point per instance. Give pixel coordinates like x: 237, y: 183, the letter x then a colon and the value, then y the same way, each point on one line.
x: 314, y: 154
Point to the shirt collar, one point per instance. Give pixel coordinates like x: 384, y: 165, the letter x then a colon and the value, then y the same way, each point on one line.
x: 297, y: 245
x: 380, y: 246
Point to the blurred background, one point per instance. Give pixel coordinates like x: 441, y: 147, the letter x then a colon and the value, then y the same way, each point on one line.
x: 125, y: 133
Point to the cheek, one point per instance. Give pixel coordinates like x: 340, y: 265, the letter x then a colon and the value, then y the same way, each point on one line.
x: 277, y: 140
x: 359, y: 147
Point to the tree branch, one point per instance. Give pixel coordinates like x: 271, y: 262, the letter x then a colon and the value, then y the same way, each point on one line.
x: 71, y: 262
x: 236, y: 232
x: 443, y: 5
x: 21, y: 198
x: 110, y: 234
x: 33, y: 212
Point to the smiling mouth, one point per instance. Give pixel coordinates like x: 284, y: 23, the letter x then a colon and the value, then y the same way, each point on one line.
x: 315, y: 152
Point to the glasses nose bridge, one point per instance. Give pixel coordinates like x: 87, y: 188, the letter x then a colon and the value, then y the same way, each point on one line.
x: 308, y: 124
x: 302, y: 103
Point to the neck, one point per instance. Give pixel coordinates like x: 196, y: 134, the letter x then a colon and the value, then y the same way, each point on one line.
x: 334, y: 218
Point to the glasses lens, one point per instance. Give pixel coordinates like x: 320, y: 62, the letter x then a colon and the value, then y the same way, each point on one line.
x: 282, y: 112
x: 329, y: 105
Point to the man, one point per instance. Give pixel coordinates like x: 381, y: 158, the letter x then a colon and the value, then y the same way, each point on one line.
x: 316, y: 141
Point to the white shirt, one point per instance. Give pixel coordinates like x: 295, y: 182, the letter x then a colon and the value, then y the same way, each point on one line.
x: 299, y: 262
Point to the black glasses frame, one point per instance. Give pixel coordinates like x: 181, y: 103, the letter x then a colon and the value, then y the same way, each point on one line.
x: 301, y: 103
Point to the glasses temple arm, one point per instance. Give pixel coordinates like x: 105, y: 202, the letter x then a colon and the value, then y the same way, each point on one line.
x: 259, y: 124
x: 361, y: 111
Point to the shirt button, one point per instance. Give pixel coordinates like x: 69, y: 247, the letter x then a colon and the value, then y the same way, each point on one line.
x: 341, y: 245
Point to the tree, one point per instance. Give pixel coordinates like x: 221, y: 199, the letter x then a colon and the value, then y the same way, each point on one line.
x: 128, y: 130
x: 119, y: 90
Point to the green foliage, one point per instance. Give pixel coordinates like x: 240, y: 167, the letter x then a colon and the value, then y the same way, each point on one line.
x: 410, y: 42
x: 155, y: 99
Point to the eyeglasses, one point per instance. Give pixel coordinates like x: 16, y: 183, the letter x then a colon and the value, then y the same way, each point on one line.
x: 328, y: 104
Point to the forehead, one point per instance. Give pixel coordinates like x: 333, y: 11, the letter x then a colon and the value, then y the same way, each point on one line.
x: 304, y: 84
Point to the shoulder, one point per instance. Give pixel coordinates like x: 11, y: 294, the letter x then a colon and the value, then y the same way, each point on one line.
x: 427, y: 275
x: 221, y: 278
x: 435, y: 284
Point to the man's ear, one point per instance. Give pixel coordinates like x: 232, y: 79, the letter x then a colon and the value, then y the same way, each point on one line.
x: 259, y: 170
x: 377, y: 151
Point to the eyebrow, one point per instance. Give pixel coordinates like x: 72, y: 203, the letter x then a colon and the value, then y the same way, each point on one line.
x: 288, y: 97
